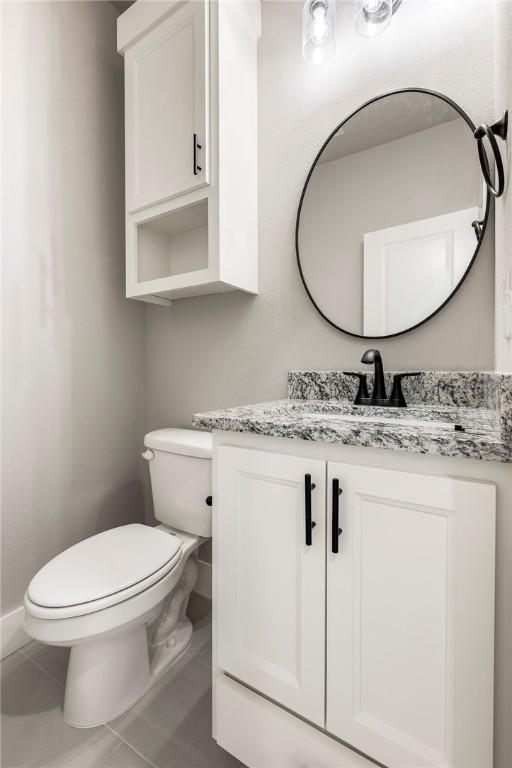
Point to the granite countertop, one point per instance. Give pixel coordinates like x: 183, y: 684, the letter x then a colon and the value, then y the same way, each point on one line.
x: 464, y: 414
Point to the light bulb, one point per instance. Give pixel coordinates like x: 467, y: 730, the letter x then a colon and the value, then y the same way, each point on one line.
x: 372, y: 16
x: 319, y: 25
x: 371, y: 6
x: 318, y: 30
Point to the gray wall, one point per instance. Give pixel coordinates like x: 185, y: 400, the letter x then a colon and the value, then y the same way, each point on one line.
x: 504, y: 204
x: 72, y: 344
x: 231, y: 349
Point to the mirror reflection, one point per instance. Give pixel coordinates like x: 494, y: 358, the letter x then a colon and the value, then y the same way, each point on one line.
x: 392, y: 214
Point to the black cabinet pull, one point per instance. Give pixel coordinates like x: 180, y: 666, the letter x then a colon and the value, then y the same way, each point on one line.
x: 336, y: 530
x: 196, y: 147
x: 308, y: 487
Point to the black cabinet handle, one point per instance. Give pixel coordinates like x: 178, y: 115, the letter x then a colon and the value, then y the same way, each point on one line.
x: 336, y: 530
x: 196, y: 147
x: 308, y: 487
x: 478, y: 227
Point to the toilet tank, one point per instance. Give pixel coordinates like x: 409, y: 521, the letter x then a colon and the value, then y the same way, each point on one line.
x: 180, y: 465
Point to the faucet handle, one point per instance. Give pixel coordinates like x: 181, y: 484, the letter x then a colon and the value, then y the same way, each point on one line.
x: 362, y: 392
x: 397, y: 398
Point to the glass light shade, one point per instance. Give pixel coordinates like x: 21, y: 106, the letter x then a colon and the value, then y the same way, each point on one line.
x: 372, y: 16
x: 318, y: 30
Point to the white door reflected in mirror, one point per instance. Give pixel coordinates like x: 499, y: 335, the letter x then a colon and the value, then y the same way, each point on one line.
x: 409, y: 270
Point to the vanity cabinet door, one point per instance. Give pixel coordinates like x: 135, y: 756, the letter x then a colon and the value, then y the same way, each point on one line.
x: 270, y: 584
x: 166, y: 104
x: 410, y: 617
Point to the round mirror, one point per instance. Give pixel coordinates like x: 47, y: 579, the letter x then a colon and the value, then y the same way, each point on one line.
x: 392, y: 214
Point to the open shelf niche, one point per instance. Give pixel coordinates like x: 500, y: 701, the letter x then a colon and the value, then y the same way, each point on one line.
x: 174, y: 243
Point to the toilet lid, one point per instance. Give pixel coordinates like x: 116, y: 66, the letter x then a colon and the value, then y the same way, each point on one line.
x: 103, y: 565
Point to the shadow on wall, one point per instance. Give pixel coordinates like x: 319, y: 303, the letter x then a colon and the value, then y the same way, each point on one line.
x: 122, y: 506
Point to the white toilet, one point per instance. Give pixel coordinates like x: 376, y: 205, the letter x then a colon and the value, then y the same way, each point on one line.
x: 119, y: 598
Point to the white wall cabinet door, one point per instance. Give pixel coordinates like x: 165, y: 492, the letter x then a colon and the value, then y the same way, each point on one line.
x: 410, y: 617
x: 270, y: 585
x: 166, y: 83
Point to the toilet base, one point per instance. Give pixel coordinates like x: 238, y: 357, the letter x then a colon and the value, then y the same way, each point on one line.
x: 107, y: 676
x: 106, y: 679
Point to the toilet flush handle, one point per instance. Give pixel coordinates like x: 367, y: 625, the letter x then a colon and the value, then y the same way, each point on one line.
x: 148, y: 455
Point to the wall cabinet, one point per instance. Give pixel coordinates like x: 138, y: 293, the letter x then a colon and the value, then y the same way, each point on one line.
x: 191, y: 147
x: 382, y: 634
x: 166, y: 105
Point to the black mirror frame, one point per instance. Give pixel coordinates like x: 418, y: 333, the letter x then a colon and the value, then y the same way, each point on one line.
x: 483, y: 224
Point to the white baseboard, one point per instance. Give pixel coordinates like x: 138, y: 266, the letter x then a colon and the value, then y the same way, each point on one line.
x: 204, y: 579
x: 12, y: 634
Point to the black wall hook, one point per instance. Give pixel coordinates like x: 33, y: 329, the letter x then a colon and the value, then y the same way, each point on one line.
x: 478, y: 226
x: 500, y: 129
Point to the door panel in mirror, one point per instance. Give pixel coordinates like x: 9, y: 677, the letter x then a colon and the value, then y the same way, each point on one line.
x: 410, y: 269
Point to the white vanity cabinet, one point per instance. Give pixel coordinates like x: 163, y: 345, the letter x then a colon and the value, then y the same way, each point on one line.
x: 385, y: 644
x: 410, y: 615
x: 272, y: 610
x: 191, y: 147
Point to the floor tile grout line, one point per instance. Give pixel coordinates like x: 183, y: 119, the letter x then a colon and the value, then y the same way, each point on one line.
x: 118, y: 746
x: 201, y: 661
x: 130, y: 746
x: 192, y: 657
x: 42, y: 669
x: 160, y: 730
x: 54, y: 679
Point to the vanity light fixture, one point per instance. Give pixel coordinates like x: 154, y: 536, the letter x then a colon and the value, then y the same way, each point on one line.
x: 373, y: 16
x: 318, y: 30
x: 319, y: 24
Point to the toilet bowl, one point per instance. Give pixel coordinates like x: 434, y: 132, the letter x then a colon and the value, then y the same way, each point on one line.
x: 119, y: 598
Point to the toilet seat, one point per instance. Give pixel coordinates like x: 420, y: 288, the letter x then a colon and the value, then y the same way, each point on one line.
x: 102, y: 571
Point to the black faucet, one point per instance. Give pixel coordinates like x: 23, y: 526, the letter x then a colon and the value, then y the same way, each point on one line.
x: 374, y: 357
x: 379, y: 396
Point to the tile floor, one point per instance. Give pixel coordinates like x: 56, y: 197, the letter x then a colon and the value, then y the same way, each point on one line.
x: 169, y: 728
